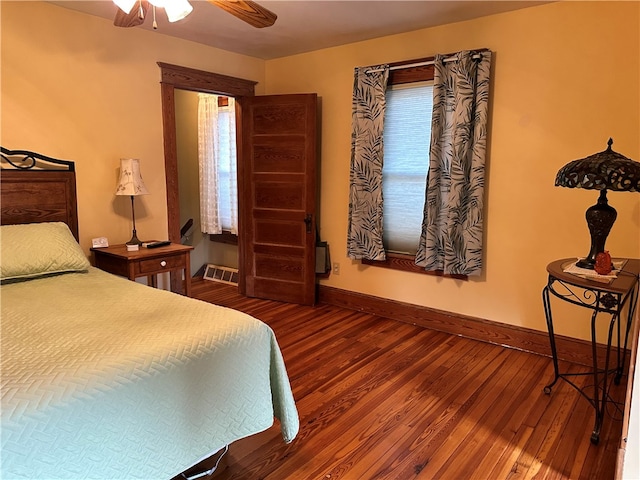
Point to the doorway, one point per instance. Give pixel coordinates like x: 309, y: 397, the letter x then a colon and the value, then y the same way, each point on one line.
x: 208, y: 249
x: 280, y: 267
x: 174, y: 77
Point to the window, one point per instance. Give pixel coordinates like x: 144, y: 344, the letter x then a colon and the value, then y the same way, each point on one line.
x: 407, y: 132
x: 227, y: 188
x: 451, y: 234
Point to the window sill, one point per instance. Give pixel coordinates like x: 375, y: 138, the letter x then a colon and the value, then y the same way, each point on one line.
x: 224, y: 237
x: 406, y: 263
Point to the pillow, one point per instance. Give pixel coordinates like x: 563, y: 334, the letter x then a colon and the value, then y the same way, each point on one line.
x: 37, y: 249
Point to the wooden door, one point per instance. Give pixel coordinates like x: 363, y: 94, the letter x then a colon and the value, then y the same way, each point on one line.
x: 277, y: 197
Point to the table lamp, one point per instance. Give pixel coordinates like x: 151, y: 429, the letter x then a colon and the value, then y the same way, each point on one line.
x: 131, y: 184
x: 607, y: 170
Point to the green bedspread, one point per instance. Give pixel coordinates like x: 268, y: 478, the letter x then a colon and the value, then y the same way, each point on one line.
x: 107, y: 378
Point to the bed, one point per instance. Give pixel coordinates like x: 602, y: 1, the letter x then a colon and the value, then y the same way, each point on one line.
x: 107, y: 378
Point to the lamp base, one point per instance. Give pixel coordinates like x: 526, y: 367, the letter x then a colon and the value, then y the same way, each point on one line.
x: 134, y: 237
x: 600, y: 218
x: 586, y: 263
x: 134, y: 240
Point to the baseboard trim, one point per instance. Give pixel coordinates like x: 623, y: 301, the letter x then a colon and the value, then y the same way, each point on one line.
x: 569, y: 349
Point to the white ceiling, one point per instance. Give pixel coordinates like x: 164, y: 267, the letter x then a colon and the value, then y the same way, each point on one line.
x: 306, y: 25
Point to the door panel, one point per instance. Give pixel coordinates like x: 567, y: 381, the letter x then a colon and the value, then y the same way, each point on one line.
x: 282, y: 268
x: 277, y: 176
x: 279, y: 233
x: 285, y: 154
x: 271, y: 118
x: 285, y: 194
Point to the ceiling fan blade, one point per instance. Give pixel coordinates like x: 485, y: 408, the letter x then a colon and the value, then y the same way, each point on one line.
x: 135, y: 17
x: 247, y: 11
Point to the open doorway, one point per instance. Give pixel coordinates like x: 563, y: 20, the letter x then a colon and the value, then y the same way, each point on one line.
x: 208, y: 222
x: 174, y: 80
x: 277, y: 154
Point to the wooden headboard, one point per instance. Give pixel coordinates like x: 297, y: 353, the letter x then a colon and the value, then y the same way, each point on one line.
x: 36, y: 188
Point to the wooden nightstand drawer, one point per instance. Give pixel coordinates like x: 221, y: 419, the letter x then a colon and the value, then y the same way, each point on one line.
x: 159, y: 264
x: 118, y: 260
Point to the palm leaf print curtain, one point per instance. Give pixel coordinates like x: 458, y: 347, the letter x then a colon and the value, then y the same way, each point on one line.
x: 452, y: 229
x: 364, y: 237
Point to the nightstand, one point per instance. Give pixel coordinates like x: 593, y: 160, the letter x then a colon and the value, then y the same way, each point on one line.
x: 146, y: 262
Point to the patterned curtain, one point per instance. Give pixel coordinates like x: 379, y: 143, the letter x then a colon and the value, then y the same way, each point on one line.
x: 452, y: 228
x: 364, y: 237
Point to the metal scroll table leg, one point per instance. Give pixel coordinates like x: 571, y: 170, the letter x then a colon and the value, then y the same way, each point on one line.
x: 600, y: 398
x: 632, y: 308
x: 552, y: 338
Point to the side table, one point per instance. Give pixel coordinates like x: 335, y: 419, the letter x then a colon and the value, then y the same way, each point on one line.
x: 145, y: 262
x: 603, y: 298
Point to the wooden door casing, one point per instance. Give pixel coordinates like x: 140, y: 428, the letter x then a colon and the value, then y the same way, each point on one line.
x: 172, y: 77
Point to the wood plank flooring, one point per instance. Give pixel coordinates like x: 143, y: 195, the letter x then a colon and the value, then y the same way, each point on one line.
x: 382, y: 399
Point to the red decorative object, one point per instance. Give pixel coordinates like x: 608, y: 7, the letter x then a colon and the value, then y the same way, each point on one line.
x: 603, y: 263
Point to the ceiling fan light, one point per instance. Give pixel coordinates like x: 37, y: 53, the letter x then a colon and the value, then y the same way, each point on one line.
x: 177, y: 9
x: 125, y: 5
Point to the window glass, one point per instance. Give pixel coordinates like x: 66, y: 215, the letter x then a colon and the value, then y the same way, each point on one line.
x: 227, y: 199
x: 407, y: 134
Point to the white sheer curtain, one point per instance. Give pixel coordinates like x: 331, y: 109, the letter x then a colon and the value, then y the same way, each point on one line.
x: 217, y: 165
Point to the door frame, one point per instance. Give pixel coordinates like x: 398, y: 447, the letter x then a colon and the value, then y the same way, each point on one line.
x: 185, y: 78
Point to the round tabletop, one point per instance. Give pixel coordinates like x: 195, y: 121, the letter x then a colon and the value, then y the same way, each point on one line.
x: 625, y: 279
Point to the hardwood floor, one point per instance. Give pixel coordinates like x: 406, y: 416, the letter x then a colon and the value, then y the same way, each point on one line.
x: 382, y: 399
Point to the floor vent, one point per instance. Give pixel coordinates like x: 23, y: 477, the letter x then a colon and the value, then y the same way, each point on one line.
x: 216, y: 273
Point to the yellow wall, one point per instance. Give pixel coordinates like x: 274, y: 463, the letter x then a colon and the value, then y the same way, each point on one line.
x: 186, y: 104
x: 565, y: 78
x: 78, y: 88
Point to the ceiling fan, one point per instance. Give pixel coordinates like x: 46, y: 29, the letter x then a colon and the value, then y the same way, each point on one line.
x: 246, y: 10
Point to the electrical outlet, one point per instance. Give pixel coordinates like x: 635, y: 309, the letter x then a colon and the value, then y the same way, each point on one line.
x: 336, y: 268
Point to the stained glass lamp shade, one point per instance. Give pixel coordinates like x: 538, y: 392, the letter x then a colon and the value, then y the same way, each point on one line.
x: 607, y: 170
